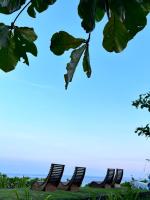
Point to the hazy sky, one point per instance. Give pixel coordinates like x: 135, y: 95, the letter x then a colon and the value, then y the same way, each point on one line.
x: 92, y: 123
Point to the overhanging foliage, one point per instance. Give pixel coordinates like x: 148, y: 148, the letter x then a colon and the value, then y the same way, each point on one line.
x: 125, y: 19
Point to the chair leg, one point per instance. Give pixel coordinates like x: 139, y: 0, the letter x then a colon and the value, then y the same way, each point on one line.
x: 107, y: 186
x: 50, y: 187
x: 117, y: 185
x: 74, y: 188
x: 35, y: 186
x: 62, y: 186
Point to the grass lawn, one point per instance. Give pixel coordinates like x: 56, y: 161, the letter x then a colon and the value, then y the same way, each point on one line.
x: 9, y: 194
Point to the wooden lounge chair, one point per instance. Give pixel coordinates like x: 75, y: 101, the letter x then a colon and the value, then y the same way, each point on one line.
x: 117, y: 178
x: 106, y: 183
x: 52, y: 180
x: 75, y: 182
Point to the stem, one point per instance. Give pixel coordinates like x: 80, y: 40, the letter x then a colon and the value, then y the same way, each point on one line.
x: 88, y: 40
x: 21, y: 12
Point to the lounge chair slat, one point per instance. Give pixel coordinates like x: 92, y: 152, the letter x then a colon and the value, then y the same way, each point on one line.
x: 108, y: 180
x: 76, y: 180
x: 52, y: 180
x: 117, y: 178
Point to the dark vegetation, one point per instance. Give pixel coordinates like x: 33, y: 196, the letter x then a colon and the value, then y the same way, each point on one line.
x: 143, y: 102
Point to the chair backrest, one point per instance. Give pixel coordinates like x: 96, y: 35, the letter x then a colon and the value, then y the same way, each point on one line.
x: 55, y: 174
x: 118, y: 176
x: 78, y: 176
x: 109, y: 176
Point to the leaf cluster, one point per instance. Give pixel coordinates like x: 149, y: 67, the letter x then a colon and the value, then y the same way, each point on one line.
x: 125, y: 18
x: 39, y: 6
x: 143, y: 131
x: 61, y: 42
x: 15, y: 44
x: 143, y: 102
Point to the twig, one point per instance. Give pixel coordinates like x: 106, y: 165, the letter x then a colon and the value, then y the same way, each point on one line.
x: 12, y: 24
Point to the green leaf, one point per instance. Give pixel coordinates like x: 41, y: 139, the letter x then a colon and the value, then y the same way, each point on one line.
x: 24, y: 40
x: 117, y: 7
x: 135, y: 17
x: 4, y: 35
x: 39, y: 6
x: 146, y: 5
x: 131, y: 13
x: 25, y: 57
x: 15, y: 45
x: 63, y: 41
x: 8, y: 57
x: 31, y: 11
x: 71, y: 67
x: 100, y: 12
x: 87, y: 12
x: 115, y: 35
x: 27, y: 33
x: 10, y: 6
x: 31, y: 48
x: 86, y: 62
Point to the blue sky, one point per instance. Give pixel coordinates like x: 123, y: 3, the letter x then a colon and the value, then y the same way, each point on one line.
x: 92, y: 123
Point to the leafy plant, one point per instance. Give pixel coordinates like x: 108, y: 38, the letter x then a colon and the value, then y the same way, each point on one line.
x: 126, y: 184
x: 143, y: 102
x: 17, y: 182
x: 3, y: 180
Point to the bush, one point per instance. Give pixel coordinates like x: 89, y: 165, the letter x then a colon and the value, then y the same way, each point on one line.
x: 126, y: 184
x: 16, y: 182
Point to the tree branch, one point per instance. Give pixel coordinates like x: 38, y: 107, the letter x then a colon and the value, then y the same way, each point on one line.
x: 12, y: 24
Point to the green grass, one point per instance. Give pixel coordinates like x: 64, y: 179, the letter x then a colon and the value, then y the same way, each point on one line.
x: 10, y: 194
x: 84, y: 193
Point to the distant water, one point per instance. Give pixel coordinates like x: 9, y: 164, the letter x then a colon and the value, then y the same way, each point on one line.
x: 87, y: 179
